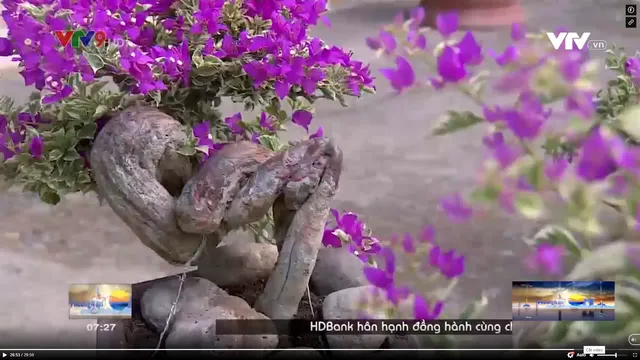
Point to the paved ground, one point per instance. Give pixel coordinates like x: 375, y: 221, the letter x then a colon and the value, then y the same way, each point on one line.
x: 394, y: 176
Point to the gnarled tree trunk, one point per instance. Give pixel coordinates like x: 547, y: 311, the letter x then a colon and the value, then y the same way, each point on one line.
x: 172, y: 205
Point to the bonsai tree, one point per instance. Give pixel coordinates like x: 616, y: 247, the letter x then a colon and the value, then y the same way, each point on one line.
x: 155, y: 148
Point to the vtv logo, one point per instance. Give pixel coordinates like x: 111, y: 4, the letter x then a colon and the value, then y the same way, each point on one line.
x: 569, y: 39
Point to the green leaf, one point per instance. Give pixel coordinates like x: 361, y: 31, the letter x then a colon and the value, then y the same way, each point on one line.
x: 101, y: 110
x: 557, y: 235
x: 529, y: 205
x: 454, y: 121
x: 603, y: 263
x: 48, y: 196
x: 55, y: 154
x: 95, y: 61
x: 72, y: 155
x: 97, y: 87
x: 187, y: 150
x: 207, y: 70
x: 271, y: 142
x: 76, y: 112
x: 486, y: 194
x: 629, y: 122
x: 88, y: 131
x: 475, y: 309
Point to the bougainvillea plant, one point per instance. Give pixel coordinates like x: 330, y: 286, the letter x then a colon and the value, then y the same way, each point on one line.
x: 184, y: 57
x: 590, y: 160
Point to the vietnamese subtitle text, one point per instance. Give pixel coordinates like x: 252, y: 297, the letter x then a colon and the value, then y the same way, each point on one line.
x: 356, y: 326
x: 444, y: 327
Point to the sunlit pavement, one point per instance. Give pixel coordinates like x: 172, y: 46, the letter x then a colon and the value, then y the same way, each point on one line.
x: 394, y: 176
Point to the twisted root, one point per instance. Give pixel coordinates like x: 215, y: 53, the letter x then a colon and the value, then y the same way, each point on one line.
x: 137, y: 170
x: 140, y: 174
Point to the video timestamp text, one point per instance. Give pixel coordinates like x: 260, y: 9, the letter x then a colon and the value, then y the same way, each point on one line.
x: 101, y: 327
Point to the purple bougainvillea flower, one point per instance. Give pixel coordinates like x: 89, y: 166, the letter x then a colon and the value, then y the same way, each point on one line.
x: 449, y: 264
x: 450, y: 68
x: 36, y: 147
x: 329, y: 239
x: 447, y: 23
x: 417, y: 40
x: 401, y: 78
x: 265, y: 122
x: 422, y: 311
x: 554, y: 169
x: 547, y: 258
x: 360, y: 244
x: 202, y: 132
x: 378, y: 277
x: 373, y: 43
x: 632, y: 67
x: 595, y: 162
x: 470, y: 51
x: 318, y: 134
x: 387, y: 41
x: 428, y: 234
x: 233, y: 122
x: 526, y: 121
x: 417, y: 17
x: 382, y: 277
x: 408, y: 244
x: 302, y: 118
x: 518, y: 32
x: 6, y: 49
x: 502, y: 152
x: 456, y: 208
x: 508, y: 56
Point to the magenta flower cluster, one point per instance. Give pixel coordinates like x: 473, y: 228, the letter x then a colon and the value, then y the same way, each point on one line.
x: 282, y: 57
x: 349, y: 231
x: 11, y: 139
x: 455, y: 63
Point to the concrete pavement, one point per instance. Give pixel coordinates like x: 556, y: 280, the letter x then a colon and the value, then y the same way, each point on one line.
x: 394, y: 176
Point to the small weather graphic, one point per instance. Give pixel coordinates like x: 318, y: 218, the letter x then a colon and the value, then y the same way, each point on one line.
x: 563, y: 300
x: 100, y: 301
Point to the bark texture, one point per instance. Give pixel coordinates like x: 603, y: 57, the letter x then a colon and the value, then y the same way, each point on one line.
x: 171, y: 204
x: 137, y: 169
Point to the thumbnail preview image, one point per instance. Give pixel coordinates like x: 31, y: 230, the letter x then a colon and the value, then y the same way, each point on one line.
x: 100, y: 301
x: 563, y: 300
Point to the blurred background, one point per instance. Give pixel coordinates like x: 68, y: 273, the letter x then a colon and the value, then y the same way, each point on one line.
x: 394, y: 176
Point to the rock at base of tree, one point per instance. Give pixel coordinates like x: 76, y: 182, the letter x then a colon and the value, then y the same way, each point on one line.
x: 239, y: 263
x: 336, y: 269
x: 201, y: 303
x: 345, y: 304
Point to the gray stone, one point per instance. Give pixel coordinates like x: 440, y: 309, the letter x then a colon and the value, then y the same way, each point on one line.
x: 336, y: 269
x: 239, y: 263
x: 156, y: 301
x: 344, y: 304
x: 201, y: 303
